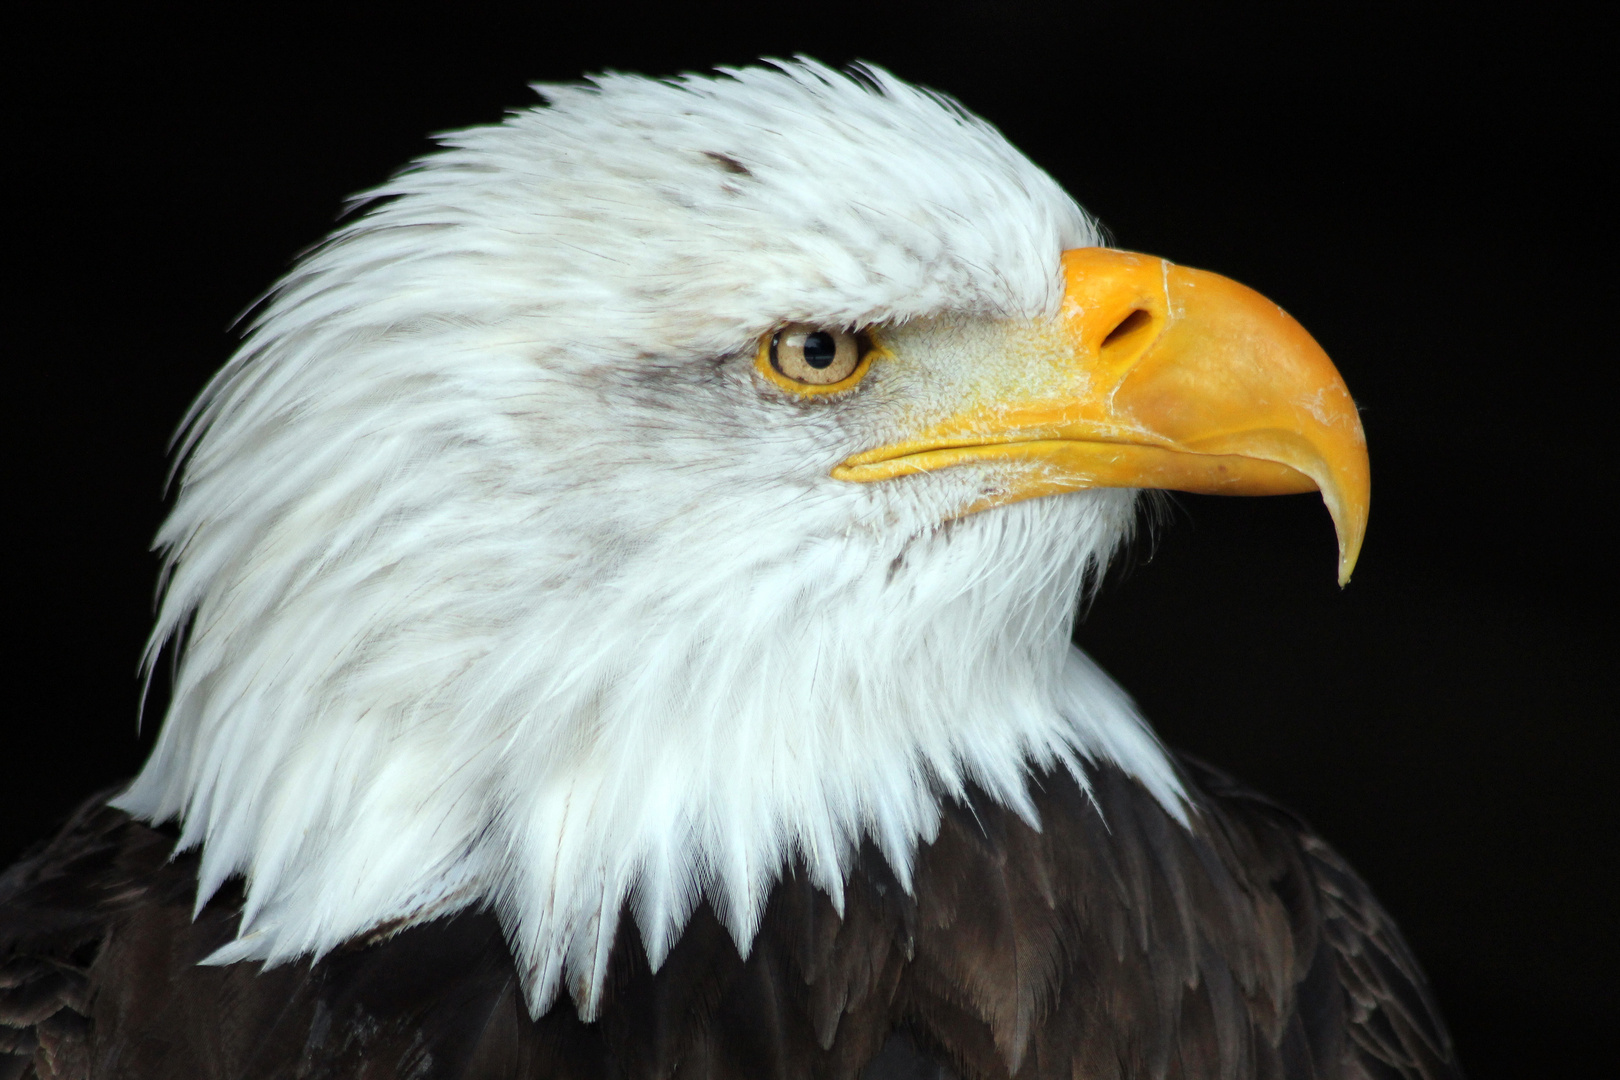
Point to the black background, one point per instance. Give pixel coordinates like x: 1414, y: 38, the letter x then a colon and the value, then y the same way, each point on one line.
x: 1420, y: 187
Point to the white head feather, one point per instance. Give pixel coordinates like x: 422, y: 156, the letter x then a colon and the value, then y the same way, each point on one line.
x: 504, y: 579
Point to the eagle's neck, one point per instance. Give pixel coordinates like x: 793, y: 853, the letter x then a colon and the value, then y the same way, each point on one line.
x: 639, y: 747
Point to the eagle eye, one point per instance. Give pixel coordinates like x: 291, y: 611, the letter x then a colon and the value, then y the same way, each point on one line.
x: 812, y: 359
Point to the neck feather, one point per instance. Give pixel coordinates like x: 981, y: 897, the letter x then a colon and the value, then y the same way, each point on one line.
x: 640, y: 748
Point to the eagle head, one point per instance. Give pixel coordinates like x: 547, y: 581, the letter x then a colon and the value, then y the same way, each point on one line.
x: 678, y: 482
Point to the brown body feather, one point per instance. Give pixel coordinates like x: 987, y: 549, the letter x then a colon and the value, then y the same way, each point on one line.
x: 1111, y: 943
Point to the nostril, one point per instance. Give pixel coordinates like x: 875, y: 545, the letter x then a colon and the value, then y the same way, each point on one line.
x: 1130, y: 324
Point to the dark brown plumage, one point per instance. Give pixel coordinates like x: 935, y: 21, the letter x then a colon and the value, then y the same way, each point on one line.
x: 1112, y: 943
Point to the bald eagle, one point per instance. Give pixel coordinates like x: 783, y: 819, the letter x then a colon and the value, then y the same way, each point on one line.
x: 622, y: 590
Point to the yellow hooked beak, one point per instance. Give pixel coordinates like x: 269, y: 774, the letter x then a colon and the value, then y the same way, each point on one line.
x: 1158, y: 376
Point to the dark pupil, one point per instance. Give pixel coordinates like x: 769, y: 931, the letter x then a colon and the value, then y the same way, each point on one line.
x: 820, y: 350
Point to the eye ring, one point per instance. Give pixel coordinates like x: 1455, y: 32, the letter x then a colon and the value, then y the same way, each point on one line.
x: 810, y: 360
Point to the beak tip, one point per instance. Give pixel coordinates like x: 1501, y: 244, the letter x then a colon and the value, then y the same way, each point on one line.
x: 1350, y: 548
x: 1349, y: 523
